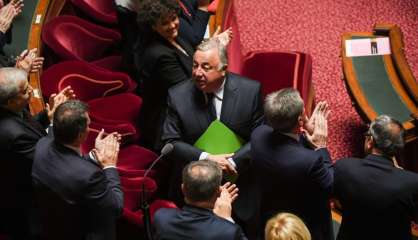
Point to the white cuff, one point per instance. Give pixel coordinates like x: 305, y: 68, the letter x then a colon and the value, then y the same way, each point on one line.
x: 231, y: 161
x: 203, y: 156
x: 109, y: 167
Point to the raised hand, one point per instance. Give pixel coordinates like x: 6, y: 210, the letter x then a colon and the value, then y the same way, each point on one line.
x: 29, y: 61
x: 17, y: 5
x: 223, y: 37
x: 56, y: 99
x: 107, y: 149
x: 223, y: 204
x: 309, y: 124
x: 7, y: 14
x: 319, y: 137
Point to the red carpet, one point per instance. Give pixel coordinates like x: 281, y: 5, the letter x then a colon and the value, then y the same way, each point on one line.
x: 315, y: 27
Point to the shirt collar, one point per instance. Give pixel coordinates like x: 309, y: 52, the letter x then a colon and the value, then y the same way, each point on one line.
x: 219, y: 93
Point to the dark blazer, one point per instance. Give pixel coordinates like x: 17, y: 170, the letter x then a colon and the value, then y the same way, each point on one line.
x: 80, y: 183
x: 293, y: 178
x: 19, y: 134
x: 194, y: 223
x: 193, y: 23
x: 378, y: 200
x: 188, y: 117
x: 161, y: 66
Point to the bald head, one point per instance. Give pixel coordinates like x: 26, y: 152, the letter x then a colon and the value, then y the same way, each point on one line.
x: 10, y: 81
x: 201, y: 180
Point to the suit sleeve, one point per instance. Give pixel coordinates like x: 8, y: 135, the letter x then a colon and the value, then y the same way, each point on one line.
x: 42, y: 118
x: 242, y: 157
x: 172, y: 133
x: 169, y: 70
x: 322, y: 171
x: 193, y: 28
x: 104, y: 192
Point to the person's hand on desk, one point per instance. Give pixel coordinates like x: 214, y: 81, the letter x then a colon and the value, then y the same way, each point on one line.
x: 223, y: 204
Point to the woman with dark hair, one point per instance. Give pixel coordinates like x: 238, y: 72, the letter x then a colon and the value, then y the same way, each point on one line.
x: 163, y: 59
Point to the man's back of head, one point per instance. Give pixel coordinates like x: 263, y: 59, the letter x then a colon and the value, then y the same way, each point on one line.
x: 71, y: 122
x: 283, y: 109
x: 201, y: 182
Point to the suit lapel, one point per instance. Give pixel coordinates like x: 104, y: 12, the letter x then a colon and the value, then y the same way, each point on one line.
x: 186, y: 61
x: 229, y: 99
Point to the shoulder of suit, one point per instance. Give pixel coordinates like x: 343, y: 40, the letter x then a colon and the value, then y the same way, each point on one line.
x: 182, y: 87
x: 245, y: 82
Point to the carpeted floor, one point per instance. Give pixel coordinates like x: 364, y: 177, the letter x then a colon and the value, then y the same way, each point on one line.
x: 315, y: 27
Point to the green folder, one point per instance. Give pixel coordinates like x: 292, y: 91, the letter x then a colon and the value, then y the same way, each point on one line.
x: 219, y: 139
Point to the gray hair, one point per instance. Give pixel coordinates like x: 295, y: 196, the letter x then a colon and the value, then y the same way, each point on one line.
x: 201, y: 180
x: 211, y: 43
x: 9, y: 83
x: 388, y: 135
x: 283, y: 108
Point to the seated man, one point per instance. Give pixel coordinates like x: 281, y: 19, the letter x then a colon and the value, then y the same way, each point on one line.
x: 64, y: 179
x: 19, y: 133
x: 292, y: 177
x: 213, y: 94
x: 207, y: 213
x: 378, y: 199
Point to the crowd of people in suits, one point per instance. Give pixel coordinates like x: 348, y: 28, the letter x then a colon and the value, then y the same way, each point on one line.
x: 283, y: 175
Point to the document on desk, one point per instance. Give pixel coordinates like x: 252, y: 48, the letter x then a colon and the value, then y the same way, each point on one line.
x: 367, y: 47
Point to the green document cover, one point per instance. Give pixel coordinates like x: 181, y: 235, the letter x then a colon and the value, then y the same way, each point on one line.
x: 219, y: 139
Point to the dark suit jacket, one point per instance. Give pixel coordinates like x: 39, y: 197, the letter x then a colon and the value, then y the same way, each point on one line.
x: 194, y: 223
x: 378, y: 200
x: 19, y: 134
x: 293, y: 178
x: 188, y: 118
x: 161, y: 66
x: 193, y: 25
x: 18, y: 137
x: 81, y: 184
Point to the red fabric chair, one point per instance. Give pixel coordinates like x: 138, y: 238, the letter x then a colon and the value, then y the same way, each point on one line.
x: 134, y: 158
x: 213, y: 6
x: 100, y: 10
x: 127, y: 131
x: 88, y: 81
x: 72, y: 38
x: 123, y: 107
x: 276, y: 70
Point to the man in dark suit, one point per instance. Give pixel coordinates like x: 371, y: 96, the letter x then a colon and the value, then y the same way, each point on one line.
x: 19, y: 133
x: 295, y: 172
x: 89, y: 186
x: 378, y: 199
x: 213, y: 94
x: 207, y: 213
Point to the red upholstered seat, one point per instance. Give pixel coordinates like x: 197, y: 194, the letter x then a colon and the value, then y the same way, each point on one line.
x: 121, y: 107
x: 276, y: 70
x: 88, y: 81
x: 72, y: 38
x: 213, y: 6
x: 130, y: 173
x: 134, y: 158
x: 100, y: 10
x: 127, y: 131
x: 134, y: 216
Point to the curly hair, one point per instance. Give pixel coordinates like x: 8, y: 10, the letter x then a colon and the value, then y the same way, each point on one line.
x: 152, y: 11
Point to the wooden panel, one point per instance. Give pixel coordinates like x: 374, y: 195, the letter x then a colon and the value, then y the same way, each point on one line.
x: 45, y: 10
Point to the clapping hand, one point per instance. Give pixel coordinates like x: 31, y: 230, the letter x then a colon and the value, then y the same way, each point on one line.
x: 107, y: 149
x: 223, y: 37
x: 223, y: 204
x: 316, y: 128
x: 29, y: 61
x: 56, y: 99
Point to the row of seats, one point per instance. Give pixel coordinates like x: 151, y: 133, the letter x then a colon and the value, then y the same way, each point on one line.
x: 87, y: 60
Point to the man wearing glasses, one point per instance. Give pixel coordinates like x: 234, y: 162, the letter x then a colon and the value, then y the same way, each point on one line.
x: 378, y: 199
x: 214, y: 94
